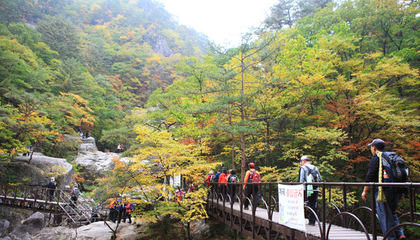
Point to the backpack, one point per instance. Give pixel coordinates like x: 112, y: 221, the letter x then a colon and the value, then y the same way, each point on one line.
x: 233, y: 179
x: 51, y: 185
x: 76, y: 192
x: 212, y: 178
x: 313, y: 175
x: 394, y: 166
x: 255, y: 177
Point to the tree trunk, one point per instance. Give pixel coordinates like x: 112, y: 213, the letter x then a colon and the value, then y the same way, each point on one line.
x: 242, y: 119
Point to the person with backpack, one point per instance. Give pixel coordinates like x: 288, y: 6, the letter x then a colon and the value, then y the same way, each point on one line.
x: 74, y: 195
x: 216, y: 180
x: 127, y: 214
x: 251, y: 176
x: 310, y: 173
x: 52, y: 187
x: 222, y: 183
x: 210, y: 177
x: 232, y: 188
x: 112, y: 210
x: 385, y: 208
x: 120, y: 208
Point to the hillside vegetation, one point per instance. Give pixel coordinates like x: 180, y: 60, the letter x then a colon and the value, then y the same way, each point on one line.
x: 319, y: 78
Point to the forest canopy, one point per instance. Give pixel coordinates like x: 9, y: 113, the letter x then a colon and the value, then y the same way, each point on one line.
x: 320, y: 78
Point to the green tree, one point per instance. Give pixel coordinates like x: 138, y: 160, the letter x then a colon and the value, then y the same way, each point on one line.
x: 61, y: 36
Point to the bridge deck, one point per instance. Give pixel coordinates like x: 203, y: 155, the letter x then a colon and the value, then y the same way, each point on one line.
x: 336, y: 232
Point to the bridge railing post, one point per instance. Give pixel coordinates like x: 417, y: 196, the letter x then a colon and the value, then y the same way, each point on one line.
x: 254, y: 207
x: 345, y: 204
x: 373, y: 204
x: 241, y: 207
x: 324, y: 222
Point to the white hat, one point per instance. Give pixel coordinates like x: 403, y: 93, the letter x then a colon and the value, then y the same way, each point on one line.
x: 52, y: 179
x: 306, y: 158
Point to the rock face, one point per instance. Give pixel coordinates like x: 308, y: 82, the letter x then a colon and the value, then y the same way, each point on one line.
x: 88, y: 145
x: 95, y: 162
x: 200, y: 230
x: 4, y: 225
x: 57, y: 167
x: 29, y: 227
x: 161, y: 47
x: 55, y: 233
x: 94, y: 231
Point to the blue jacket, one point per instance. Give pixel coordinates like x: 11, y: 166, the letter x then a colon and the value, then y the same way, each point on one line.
x: 216, y: 177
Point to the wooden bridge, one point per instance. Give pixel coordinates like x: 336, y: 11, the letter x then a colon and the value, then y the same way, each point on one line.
x: 63, y: 209
x: 262, y: 221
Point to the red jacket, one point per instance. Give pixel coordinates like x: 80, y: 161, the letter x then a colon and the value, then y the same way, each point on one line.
x: 208, y: 178
x: 223, y: 178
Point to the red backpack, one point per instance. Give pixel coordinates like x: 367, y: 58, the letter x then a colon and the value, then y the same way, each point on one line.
x: 254, y: 177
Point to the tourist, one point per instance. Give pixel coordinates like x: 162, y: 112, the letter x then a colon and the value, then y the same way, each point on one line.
x: 305, y: 169
x: 52, y: 187
x: 251, y: 190
x: 232, y: 188
x: 386, y: 210
x: 222, y: 183
x: 127, y: 214
x: 112, y: 210
x: 74, y: 194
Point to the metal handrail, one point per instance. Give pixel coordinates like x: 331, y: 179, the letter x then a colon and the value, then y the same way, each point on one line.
x: 40, y: 199
x: 269, y: 192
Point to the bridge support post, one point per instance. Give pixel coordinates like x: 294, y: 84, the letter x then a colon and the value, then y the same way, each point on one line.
x: 57, y: 220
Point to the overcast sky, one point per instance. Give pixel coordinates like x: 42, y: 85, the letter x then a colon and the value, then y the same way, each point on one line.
x: 223, y: 21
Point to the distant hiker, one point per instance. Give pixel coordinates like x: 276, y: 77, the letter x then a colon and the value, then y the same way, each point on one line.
x: 88, y: 134
x: 120, y: 207
x: 178, y: 193
x: 191, y: 188
x: 120, y: 148
x: 52, y: 187
x: 310, y: 173
x: 222, y: 185
x: 112, y: 210
x: 210, y: 177
x: 216, y: 179
x: 127, y: 213
x: 28, y: 151
x: 232, y: 188
x: 251, y: 175
x: 79, y: 131
x: 74, y: 194
x: 385, y: 208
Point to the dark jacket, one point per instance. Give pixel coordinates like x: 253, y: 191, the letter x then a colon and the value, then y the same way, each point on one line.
x: 372, y: 174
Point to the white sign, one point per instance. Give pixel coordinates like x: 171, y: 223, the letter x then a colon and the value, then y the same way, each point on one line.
x: 177, y: 180
x: 291, y: 206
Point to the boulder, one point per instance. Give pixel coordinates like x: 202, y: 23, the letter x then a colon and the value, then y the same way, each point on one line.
x: 57, y: 167
x: 54, y: 233
x: 4, y: 225
x: 199, y: 230
x: 97, y: 162
x: 29, y: 227
x: 88, y: 145
x: 100, y: 231
x: 27, y: 174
